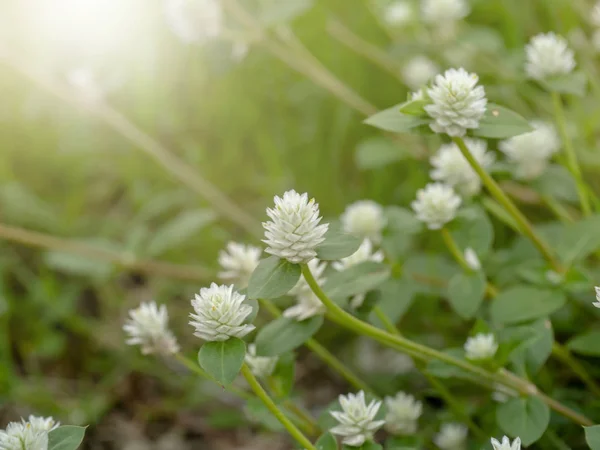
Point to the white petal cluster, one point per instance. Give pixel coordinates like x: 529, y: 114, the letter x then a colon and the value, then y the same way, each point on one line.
x: 294, y: 231
x: 506, y: 445
x: 597, y: 302
x: 452, y: 168
x: 419, y: 71
x: 436, y: 205
x: 307, y: 303
x: 398, y: 13
x: 85, y: 84
x: 458, y: 104
x: 364, y: 218
x: 595, y: 15
x: 481, y: 347
x: 357, y: 419
x: 38, y: 423
x: 403, y: 411
x: 548, y: 55
x: 220, y: 313
x: 451, y: 436
x: 531, y: 152
x: 27, y: 435
x: 261, y: 366
x: 194, y: 21
x: 237, y: 262
x: 443, y: 11
x: 472, y: 259
x: 148, y: 327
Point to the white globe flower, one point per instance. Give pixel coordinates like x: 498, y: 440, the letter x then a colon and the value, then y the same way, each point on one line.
x: 294, y: 231
x: 357, y: 419
x: 548, y: 55
x: 307, y: 305
x: 595, y: 15
x: 403, y: 411
x: 194, y: 21
x: 506, y: 445
x: 419, y: 71
x: 238, y: 261
x: 364, y: 218
x: 452, y: 168
x: 436, y: 205
x: 148, y: 327
x: 398, y: 13
x: 481, y: 347
x: 220, y: 313
x: 451, y: 436
x: 597, y: 302
x: 22, y: 436
x: 43, y: 423
x: 439, y: 12
x: 472, y: 259
x: 458, y: 104
x: 261, y: 366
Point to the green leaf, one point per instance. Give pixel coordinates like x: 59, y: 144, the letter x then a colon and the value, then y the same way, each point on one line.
x: 222, y: 360
x: 414, y: 107
x: 337, y: 245
x: 466, y: 292
x: 526, y: 418
x: 522, y: 303
x: 357, y: 279
x: 473, y: 229
x: 377, y: 152
x: 273, y: 12
x: 257, y: 412
x: 574, y: 242
x: 402, y: 227
x: 179, y: 230
x: 592, y: 436
x: 283, y: 376
x: 587, y: 343
x: 501, y: 123
x: 78, y: 265
x: 529, y: 345
x: 441, y: 369
x: 272, y: 278
x: 369, y: 445
x: 392, y: 119
x: 326, y: 442
x: 557, y: 182
x: 573, y: 83
x: 396, y: 297
x: 67, y: 437
x: 284, y: 334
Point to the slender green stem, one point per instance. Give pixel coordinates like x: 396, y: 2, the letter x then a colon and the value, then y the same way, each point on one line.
x: 510, y: 207
x: 455, y: 250
x: 387, y: 323
x: 271, y: 406
x: 565, y: 356
x: 310, y: 426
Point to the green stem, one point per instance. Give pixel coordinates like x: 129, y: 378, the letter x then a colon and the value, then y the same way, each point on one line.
x: 310, y: 426
x: 455, y: 250
x: 387, y: 323
x: 271, y: 406
x: 495, y: 190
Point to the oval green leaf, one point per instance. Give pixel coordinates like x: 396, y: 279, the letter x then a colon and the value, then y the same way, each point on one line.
x: 522, y: 303
x: 466, y: 292
x: 592, y: 437
x: 377, y: 152
x: 501, y: 123
x: 326, y: 442
x: 573, y: 83
x: 526, y: 418
x: 222, y: 360
x: 337, y: 245
x: 586, y: 343
x: 357, y: 279
x: 272, y: 278
x: 67, y: 437
x: 393, y: 120
x: 284, y: 334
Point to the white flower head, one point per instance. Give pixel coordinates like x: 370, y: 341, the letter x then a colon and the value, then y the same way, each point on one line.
x: 548, y: 55
x: 452, y: 168
x: 364, y: 218
x: 398, y: 13
x: 595, y: 15
x: 506, y: 445
x: 597, y: 302
x: 451, y: 436
x: 238, y: 261
x: 439, y: 12
x: 261, y: 366
x: 419, y: 71
x: 43, y: 423
x: 194, y: 21
x: 220, y: 313
x: 23, y: 436
x: 472, y: 259
x: 458, y: 104
x: 84, y: 82
x: 294, y: 231
x: 357, y: 419
x: 148, y: 327
x: 436, y: 205
x: 481, y: 347
x: 403, y: 411
x: 531, y: 152
x: 307, y: 305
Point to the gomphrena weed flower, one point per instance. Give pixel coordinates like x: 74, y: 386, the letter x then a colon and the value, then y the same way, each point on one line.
x: 597, y: 302
x: 472, y: 259
x: 451, y: 436
x: 548, y: 55
x: 439, y: 12
x: 220, y: 313
x: 398, y: 13
x: 458, y: 104
x: 237, y: 262
x: 28, y: 435
x: 436, y: 205
x: 365, y: 219
x: 357, y: 419
x: 506, y: 445
x: 194, y: 21
x: 403, y: 411
x: 43, y: 423
x: 294, y: 231
x: 148, y: 327
x: 481, y: 347
x: 261, y: 366
x: 419, y: 71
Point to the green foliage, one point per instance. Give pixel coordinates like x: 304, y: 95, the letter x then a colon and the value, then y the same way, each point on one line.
x: 273, y: 278
x: 326, y: 442
x: 526, y: 418
x: 375, y: 153
x: 391, y: 119
x: 501, y: 123
x: 521, y: 303
x: 337, y: 245
x: 67, y: 437
x: 283, y: 335
x: 282, y: 379
x: 587, y: 343
x: 222, y: 360
x: 573, y: 83
x: 592, y: 436
x: 466, y: 292
x: 357, y: 279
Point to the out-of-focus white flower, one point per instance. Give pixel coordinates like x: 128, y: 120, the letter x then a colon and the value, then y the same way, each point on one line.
x: 502, y: 394
x: 595, y: 15
x: 548, y: 55
x: 317, y: 268
x: 506, y: 445
x: 238, y: 261
x: 451, y: 436
x: 364, y: 218
x: 43, y: 423
x: 481, y: 347
x: 398, y: 13
x: 194, y: 21
x: 357, y: 419
x: 530, y: 152
x: 148, y: 327
x: 595, y: 39
x: 419, y: 71
x: 436, y: 205
x: 261, y: 366
x: 452, y: 168
x: 220, y: 313
x: 403, y: 411
x: 458, y: 104
x: 294, y: 231
x: 373, y: 358
x: 307, y: 305
x: 597, y: 302
x: 23, y: 436
x: 84, y: 83
x: 472, y: 259
x: 439, y: 12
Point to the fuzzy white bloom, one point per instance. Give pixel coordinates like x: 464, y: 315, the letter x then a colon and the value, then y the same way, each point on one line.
x: 194, y: 21
x: 307, y: 305
x: 148, y: 327
x: 419, y: 71
x: 398, y: 13
x: 23, y: 436
x: 43, y: 423
x: 506, y: 445
x: 357, y: 419
x: 436, y: 205
x: 548, y: 55
x: 452, y: 168
x: 458, y: 104
x: 597, y: 302
x: 481, y: 347
x: 238, y: 261
x: 85, y: 84
x: 403, y: 411
x: 294, y: 231
x: 364, y: 218
x: 261, y: 366
x: 443, y: 11
x: 220, y: 313
x: 472, y: 259
x: 595, y: 15
x: 531, y: 152
x: 451, y: 436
